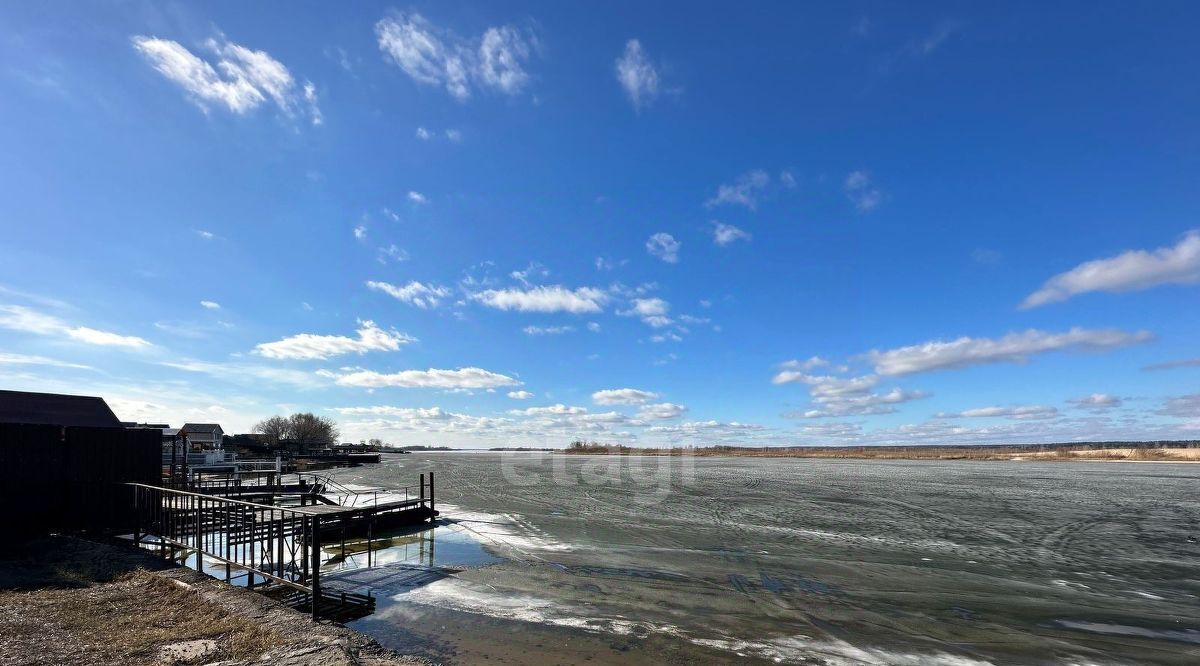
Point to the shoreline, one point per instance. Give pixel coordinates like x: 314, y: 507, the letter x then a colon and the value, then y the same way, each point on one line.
x: 71, y: 600
x: 1185, y: 452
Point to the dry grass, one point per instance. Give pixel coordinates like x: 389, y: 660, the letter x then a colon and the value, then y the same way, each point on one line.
x: 123, y: 621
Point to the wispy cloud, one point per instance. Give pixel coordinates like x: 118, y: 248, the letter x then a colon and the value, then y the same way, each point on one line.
x: 1096, y: 402
x: 1012, y: 348
x: 418, y: 198
x: 1172, y: 365
x: 548, y: 330
x: 1019, y: 413
x: 28, y: 320
x: 210, y: 305
x: 1129, y: 271
x: 744, y: 191
x: 309, y: 346
x: 664, y: 246
x: 26, y: 359
x: 414, y: 293
x: 862, y: 192
x: 242, y: 80
x: 434, y: 56
x: 637, y: 75
x: 652, y: 311
x: 726, y: 234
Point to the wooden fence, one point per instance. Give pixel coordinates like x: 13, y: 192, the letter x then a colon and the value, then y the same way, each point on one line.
x: 66, y: 479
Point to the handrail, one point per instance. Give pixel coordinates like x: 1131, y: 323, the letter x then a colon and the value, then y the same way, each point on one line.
x: 294, y: 509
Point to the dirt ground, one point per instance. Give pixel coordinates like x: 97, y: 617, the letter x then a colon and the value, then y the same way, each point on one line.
x: 65, y: 600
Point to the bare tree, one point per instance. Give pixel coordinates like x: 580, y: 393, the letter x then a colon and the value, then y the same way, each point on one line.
x: 276, y: 429
x: 308, y: 429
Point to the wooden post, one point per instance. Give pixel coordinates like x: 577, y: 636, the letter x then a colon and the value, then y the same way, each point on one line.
x: 199, y: 557
x: 432, y: 516
x: 137, y: 515
x: 315, y: 553
x: 279, y: 546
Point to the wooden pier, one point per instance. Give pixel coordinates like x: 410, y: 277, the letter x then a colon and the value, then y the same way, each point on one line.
x: 272, y: 533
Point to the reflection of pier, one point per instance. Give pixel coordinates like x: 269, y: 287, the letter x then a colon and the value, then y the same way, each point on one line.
x: 276, y: 537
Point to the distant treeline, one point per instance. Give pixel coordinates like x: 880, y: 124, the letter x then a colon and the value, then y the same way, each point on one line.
x: 1117, y: 450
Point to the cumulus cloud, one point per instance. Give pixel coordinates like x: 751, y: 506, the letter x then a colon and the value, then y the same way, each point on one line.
x: 553, y: 410
x: 520, y: 395
x: 1128, y: 271
x: 1020, y: 413
x: 744, y: 191
x: 360, y: 232
x: 544, y: 299
x: 1096, y: 402
x: 414, y: 293
x: 210, y: 305
x: 862, y: 192
x: 664, y: 246
x: 664, y: 411
x: 725, y: 234
x: 462, y: 378
x: 624, y: 396
x: 430, y: 55
x: 637, y: 75
x: 652, y: 311
x: 318, y: 347
x: 1012, y: 348
x: 418, y: 198
x: 28, y: 320
x: 241, y: 80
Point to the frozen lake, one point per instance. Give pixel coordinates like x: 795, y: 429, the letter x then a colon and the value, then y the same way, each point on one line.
x: 609, y: 559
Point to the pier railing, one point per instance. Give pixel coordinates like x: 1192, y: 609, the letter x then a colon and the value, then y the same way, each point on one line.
x: 262, y: 542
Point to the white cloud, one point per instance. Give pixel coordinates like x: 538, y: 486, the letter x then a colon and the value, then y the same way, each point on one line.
x: 206, y: 235
x: 553, y: 410
x: 845, y: 396
x: 724, y: 234
x: 21, y: 318
x: 25, y: 359
x: 862, y: 192
x: 624, y: 396
x: 1012, y: 348
x: 210, y: 305
x: 1096, y: 402
x: 414, y: 293
x: 462, y: 378
x: 502, y: 54
x: 1128, y: 271
x: 663, y: 411
x: 1020, y: 413
x: 454, y: 135
x: 594, y: 327
x: 241, y: 81
x: 544, y: 299
x: 664, y: 246
x: 547, y: 330
x: 810, y: 363
x: 392, y: 252
x: 433, y: 56
x: 520, y: 395
x: 744, y: 191
x: 787, y: 179
x: 1184, y: 406
x: 424, y: 134
x: 637, y: 75
x: 360, y: 232
x: 309, y: 346
x: 248, y: 373
x: 652, y: 311
x: 417, y: 198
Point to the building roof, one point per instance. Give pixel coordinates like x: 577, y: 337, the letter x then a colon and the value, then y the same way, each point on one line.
x: 56, y: 409
x: 201, y: 427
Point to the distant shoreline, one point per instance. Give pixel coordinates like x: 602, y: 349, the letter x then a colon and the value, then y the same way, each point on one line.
x: 1173, y: 452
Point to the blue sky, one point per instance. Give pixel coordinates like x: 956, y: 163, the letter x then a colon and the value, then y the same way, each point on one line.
x: 523, y: 223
